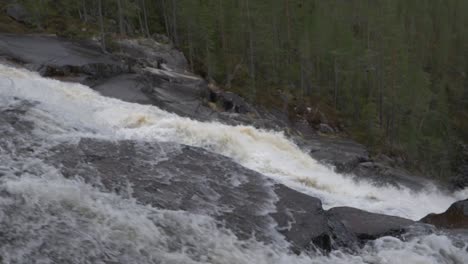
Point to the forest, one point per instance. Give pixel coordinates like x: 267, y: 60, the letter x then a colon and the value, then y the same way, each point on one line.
x: 393, y: 73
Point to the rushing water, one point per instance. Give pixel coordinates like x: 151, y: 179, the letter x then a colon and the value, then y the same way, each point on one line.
x: 68, y: 221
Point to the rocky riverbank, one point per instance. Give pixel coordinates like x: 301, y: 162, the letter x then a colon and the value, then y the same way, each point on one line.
x: 147, y: 72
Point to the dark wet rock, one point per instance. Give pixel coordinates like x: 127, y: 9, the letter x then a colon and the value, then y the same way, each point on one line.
x: 182, y: 94
x: 460, y: 180
x: 55, y: 57
x: 230, y: 102
x: 304, y: 131
x: 40, y: 49
x: 126, y: 87
x: 384, y: 174
x: 94, y: 70
x: 171, y: 176
x: 122, y: 76
x: 18, y: 13
x: 456, y: 217
x: 302, y: 220
x: 161, y: 38
x: 326, y: 129
x: 261, y: 118
x: 12, y: 121
x: 350, y: 157
x: 344, y: 154
x: 177, y: 177
x: 16, y: 132
x: 155, y: 54
x: 369, y: 226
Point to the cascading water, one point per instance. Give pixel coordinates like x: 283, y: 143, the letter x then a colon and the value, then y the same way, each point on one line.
x: 47, y: 218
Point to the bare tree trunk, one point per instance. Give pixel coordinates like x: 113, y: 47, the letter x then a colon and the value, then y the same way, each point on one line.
x: 190, y: 44
x: 232, y: 75
x: 145, y: 18
x: 289, y: 31
x: 208, y: 59
x: 223, y: 35
x: 174, y: 22
x: 381, y: 84
x: 85, y: 13
x: 101, y: 25
x: 121, y: 18
x: 166, y: 19
x: 251, y: 49
x: 304, y: 92
x: 336, y: 83
x: 140, y: 21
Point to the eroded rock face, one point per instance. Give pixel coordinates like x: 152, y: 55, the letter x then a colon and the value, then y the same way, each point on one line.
x: 455, y: 217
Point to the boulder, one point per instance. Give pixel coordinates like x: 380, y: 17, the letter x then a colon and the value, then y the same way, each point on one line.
x: 18, y: 13
x: 302, y: 220
x: 178, y: 93
x: 383, y: 174
x: 155, y: 54
x: 230, y: 102
x: 121, y: 76
x: 38, y: 49
x: 369, y: 226
x: 343, y: 154
x: 350, y: 157
x: 326, y: 129
x: 55, y: 57
x: 460, y: 180
x: 456, y: 217
x: 126, y: 87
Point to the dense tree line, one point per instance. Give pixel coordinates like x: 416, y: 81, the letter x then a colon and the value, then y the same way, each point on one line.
x: 394, y: 70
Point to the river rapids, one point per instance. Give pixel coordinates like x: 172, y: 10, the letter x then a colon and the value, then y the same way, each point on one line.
x: 46, y: 217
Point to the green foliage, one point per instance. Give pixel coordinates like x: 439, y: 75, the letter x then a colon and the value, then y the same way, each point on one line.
x: 395, y: 70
